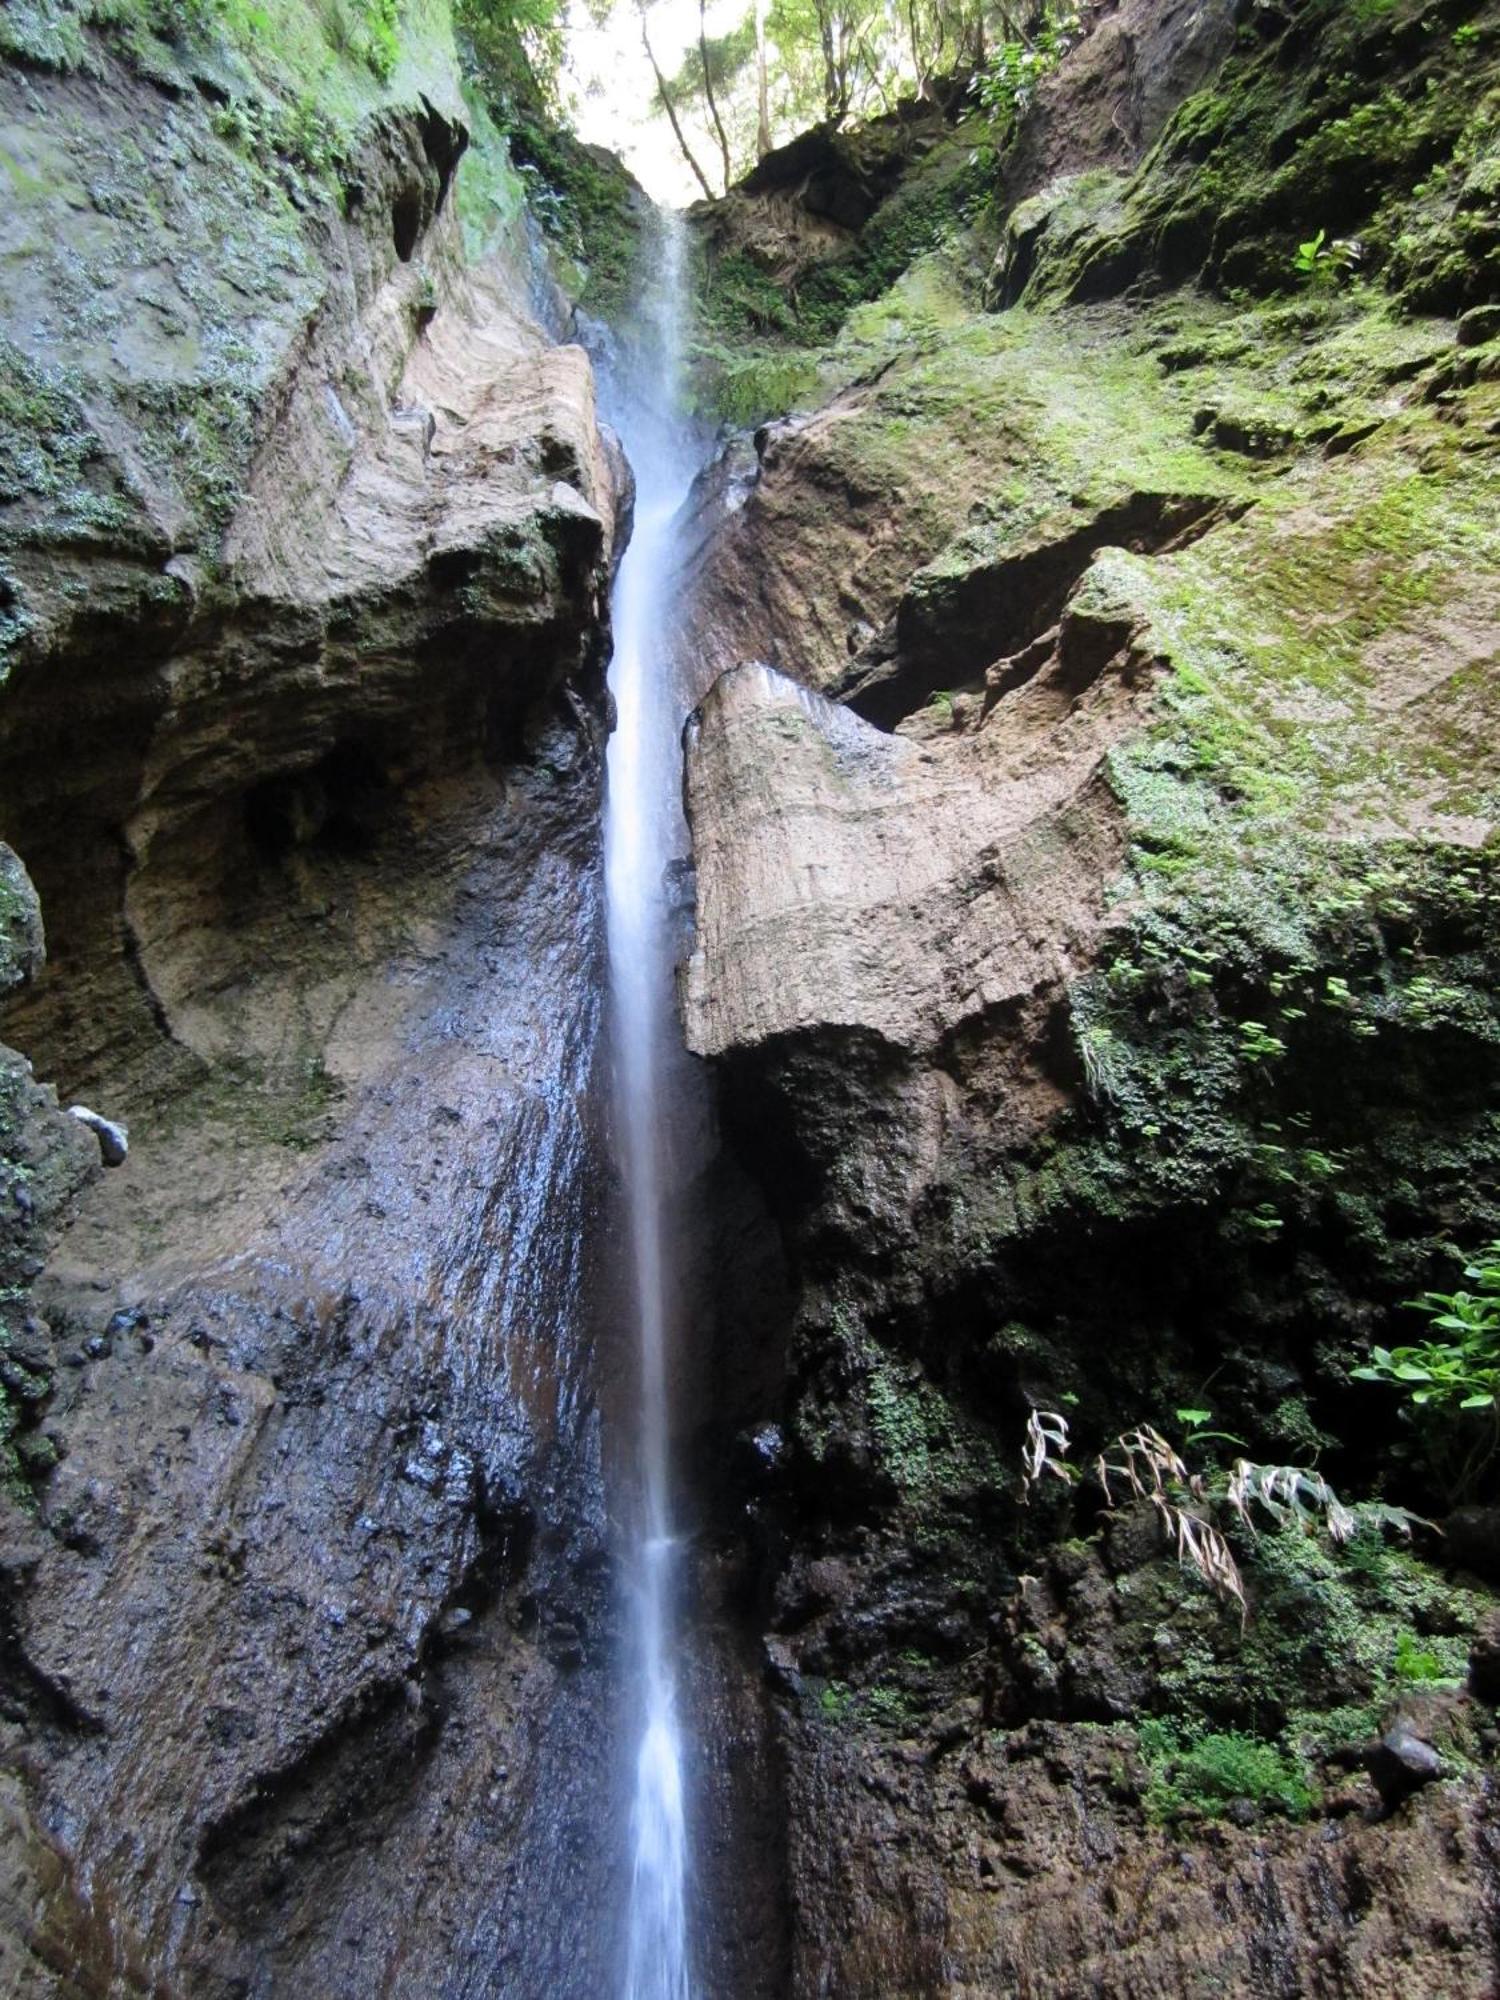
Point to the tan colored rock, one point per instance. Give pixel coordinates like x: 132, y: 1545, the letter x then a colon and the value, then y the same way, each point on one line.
x: 852, y: 879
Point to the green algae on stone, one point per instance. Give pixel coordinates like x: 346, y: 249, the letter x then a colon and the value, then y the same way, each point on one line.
x: 1373, y: 126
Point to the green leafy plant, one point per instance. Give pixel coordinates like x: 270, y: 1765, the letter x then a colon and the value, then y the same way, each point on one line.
x: 1321, y: 261
x: 1007, y: 84
x: 1416, y: 1662
x: 1202, y: 1777
x: 1452, y: 1381
x: 1257, y: 1042
x: 1141, y: 1464
x: 1196, y: 1433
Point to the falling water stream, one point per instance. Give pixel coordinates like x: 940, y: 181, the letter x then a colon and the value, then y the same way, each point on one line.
x: 642, y: 833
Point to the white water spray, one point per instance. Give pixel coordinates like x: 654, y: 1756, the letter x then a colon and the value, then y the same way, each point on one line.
x: 642, y: 832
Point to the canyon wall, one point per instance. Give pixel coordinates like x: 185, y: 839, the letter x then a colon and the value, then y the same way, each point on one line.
x: 1093, y: 798
x: 306, y: 539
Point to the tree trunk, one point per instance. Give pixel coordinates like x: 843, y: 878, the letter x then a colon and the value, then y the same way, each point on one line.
x: 830, y: 67
x: 671, y: 111
x: 708, y: 92
x: 762, y: 86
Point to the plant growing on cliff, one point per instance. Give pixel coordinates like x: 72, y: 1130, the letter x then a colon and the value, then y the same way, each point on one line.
x: 1007, y: 84
x: 1452, y: 1381
x: 1142, y: 1464
x: 514, y: 48
x: 1415, y: 1662
x: 1320, y: 262
x: 1045, y: 1450
x: 1203, y: 1777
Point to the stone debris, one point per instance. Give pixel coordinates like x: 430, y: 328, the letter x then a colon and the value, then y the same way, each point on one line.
x: 114, y: 1139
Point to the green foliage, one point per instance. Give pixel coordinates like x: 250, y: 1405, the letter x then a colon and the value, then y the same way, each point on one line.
x: 1453, y: 1383
x: 932, y: 205
x: 745, y: 384
x: 1196, y: 1433
x: 1357, y: 143
x: 20, y: 1392
x: 1319, y: 260
x: 514, y: 50
x: 53, y: 466
x: 424, y: 302
x: 834, y: 62
x: 298, y: 131
x: 1416, y: 1662
x: 1199, y: 1094
x: 729, y: 55
x: 1201, y: 1776
x: 363, y: 33
x: 738, y: 296
x: 587, y: 207
x: 1318, y: 1664
x: 835, y: 1701
x: 889, y: 1707
x: 1007, y: 84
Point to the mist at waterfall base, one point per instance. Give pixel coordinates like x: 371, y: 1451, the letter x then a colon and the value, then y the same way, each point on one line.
x: 643, y: 834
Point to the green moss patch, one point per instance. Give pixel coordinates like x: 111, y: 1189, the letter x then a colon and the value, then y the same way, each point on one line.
x: 1368, y: 133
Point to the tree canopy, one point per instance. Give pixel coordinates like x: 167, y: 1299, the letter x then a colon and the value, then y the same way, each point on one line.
x: 786, y: 65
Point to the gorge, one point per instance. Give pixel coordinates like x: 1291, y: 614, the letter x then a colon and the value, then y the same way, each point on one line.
x: 795, y: 912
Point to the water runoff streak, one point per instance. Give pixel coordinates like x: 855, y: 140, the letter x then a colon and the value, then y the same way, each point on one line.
x: 642, y: 833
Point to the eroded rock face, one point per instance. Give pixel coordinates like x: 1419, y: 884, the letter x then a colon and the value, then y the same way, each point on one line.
x: 348, y: 504
x: 1114, y: 91
x: 305, y: 1632
x: 317, y: 1603
x: 1032, y: 871
x: 1019, y: 1876
x: 853, y: 880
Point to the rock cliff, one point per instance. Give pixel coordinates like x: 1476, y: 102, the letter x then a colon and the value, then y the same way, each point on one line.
x: 306, y: 540
x: 1092, y: 792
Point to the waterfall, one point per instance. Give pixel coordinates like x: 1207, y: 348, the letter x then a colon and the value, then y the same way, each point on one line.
x: 642, y: 832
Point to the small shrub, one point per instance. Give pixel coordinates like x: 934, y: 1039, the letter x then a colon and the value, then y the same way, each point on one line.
x: 1204, y: 1776
x: 1452, y: 1382
x: 835, y: 1701
x: 1320, y: 261
x: 1006, y: 86
x: 1416, y: 1662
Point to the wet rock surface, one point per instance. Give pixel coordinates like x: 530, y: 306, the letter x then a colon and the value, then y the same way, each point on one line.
x: 317, y: 1602
x: 1023, y: 834
x: 307, y: 1595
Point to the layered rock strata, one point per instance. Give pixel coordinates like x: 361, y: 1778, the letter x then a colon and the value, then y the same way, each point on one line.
x: 305, y: 603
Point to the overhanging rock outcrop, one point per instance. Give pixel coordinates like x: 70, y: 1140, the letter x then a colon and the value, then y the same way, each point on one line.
x: 850, y: 879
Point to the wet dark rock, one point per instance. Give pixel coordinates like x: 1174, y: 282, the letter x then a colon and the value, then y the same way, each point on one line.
x: 22, y: 943
x: 1478, y: 324
x: 1471, y: 1538
x: 1400, y: 1764
x: 1484, y: 1661
x: 265, y: 1606
x: 30, y: 1344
